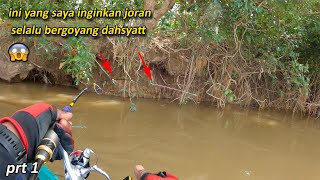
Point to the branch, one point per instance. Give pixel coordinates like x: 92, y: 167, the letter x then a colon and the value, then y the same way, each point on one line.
x: 157, y: 13
x: 167, y: 4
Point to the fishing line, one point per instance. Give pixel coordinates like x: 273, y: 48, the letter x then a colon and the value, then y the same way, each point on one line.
x: 97, y: 89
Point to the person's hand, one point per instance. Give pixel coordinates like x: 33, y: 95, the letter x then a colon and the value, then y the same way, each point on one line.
x: 142, y: 174
x: 63, y: 129
x: 32, y: 123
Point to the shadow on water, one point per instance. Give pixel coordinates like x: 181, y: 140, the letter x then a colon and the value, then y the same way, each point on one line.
x: 193, y: 142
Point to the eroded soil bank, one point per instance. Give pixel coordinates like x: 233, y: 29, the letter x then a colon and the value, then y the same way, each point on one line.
x: 186, y: 74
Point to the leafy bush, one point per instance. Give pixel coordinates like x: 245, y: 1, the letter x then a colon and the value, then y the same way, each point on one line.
x: 284, y: 35
x: 79, y: 59
x: 279, y: 38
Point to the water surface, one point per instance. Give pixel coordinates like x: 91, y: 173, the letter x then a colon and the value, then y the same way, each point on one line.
x: 192, y: 142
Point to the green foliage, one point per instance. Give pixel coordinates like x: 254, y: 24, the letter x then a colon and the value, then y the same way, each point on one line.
x: 35, y: 5
x: 79, y: 59
x: 299, y: 76
x: 45, y: 48
x: 228, y: 93
x: 284, y: 35
x: 194, y: 22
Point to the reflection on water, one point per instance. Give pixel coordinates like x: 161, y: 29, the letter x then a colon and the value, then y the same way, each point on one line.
x: 193, y: 142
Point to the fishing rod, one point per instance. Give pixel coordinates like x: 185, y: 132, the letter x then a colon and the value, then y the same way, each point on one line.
x: 77, y: 163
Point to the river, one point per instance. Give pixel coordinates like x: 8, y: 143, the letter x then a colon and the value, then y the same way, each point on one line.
x: 192, y: 142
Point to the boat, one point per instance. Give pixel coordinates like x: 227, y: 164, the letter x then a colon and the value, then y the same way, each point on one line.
x: 46, y: 174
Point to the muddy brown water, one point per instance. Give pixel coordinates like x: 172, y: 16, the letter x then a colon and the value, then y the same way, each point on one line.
x: 192, y: 142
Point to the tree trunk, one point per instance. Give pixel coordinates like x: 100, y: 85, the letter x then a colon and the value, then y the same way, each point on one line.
x: 157, y: 13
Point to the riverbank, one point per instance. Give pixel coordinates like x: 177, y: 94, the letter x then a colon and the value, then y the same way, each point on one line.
x: 196, y: 73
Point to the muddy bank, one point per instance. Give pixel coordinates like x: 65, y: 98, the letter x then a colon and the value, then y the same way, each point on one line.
x: 38, y: 68
x: 41, y: 70
x: 186, y: 74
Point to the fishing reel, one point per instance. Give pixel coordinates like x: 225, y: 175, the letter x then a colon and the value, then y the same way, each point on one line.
x: 77, y: 165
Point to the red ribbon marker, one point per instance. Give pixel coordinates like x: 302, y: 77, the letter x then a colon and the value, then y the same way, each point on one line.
x: 145, y: 67
x: 106, y: 64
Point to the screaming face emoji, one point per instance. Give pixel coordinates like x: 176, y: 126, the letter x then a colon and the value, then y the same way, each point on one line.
x: 18, y: 51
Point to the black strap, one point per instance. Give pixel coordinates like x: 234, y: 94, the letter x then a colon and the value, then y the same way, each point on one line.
x: 12, y: 144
